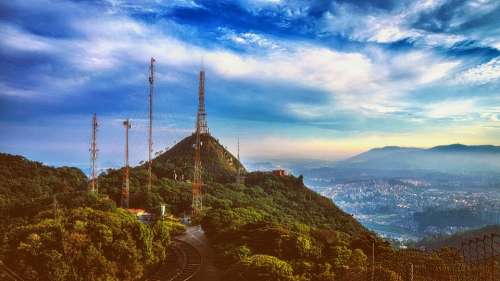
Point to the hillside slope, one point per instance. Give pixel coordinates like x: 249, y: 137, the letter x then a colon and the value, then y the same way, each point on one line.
x: 51, y: 228
x: 270, y: 228
x: 22, y: 179
x: 456, y: 240
x: 218, y: 163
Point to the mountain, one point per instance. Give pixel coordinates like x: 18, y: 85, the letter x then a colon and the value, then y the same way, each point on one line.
x: 22, y: 179
x: 272, y: 227
x: 436, y: 163
x: 460, y: 148
x: 51, y: 228
x: 456, y: 240
x: 218, y: 163
x: 285, y: 197
x: 455, y: 158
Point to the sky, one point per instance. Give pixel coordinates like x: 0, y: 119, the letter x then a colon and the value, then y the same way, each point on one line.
x: 301, y: 79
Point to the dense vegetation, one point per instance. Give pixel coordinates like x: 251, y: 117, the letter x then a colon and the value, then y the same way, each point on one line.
x: 52, y: 229
x: 21, y: 179
x: 219, y: 164
x: 441, y: 218
x: 270, y: 228
x: 456, y: 239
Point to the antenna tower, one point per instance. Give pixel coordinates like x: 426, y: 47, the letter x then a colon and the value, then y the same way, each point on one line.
x: 93, y: 155
x: 125, y: 188
x: 150, y: 129
x: 201, y: 128
x: 201, y: 118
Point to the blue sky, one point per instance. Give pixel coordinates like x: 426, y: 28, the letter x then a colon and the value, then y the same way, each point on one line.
x: 293, y: 79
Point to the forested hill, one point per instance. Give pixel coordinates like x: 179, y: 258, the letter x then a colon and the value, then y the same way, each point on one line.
x: 52, y: 229
x: 284, y: 199
x: 218, y: 163
x: 22, y: 179
x: 456, y: 240
x: 269, y: 228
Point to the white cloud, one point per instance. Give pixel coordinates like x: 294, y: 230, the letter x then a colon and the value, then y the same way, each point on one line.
x: 372, y: 82
x: 250, y: 39
x: 437, y: 71
x: 15, y: 38
x: 387, y: 27
x: 481, y: 74
x: 451, y: 109
x: 17, y: 92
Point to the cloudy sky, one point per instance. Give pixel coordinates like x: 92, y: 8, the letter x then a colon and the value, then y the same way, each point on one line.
x: 293, y: 79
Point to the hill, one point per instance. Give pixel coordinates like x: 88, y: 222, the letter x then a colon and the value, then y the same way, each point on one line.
x: 22, y: 180
x: 51, y: 228
x: 456, y: 240
x: 217, y: 162
x: 285, y: 199
x: 269, y: 228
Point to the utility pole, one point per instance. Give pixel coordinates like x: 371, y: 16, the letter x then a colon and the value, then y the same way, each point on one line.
x: 150, y: 129
x: 125, y: 188
x: 93, y: 155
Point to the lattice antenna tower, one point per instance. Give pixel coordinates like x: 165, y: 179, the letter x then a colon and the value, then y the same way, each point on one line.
x: 93, y: 155
x: 126, y: 183
x: 201, y: 128
x: 150, y: 128
x: 201, y: 118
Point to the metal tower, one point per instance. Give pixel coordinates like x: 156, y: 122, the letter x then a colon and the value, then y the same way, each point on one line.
x: 93, y: 155
x: 125, y: 187
x: 150, y: 129
x: 201, y: 128
x: 201, y: 118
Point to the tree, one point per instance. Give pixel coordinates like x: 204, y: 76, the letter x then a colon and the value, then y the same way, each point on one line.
x: 260, y: 268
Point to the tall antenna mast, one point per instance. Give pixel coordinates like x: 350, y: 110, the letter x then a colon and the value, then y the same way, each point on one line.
x: 201, y: 128
x: 125, y: 188
x: 93, y: 155
x: 201, y: 118
x: 150, y: 129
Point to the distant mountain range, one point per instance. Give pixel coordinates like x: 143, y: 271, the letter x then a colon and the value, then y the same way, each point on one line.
x: 454, y: 158
x: 455, y: 164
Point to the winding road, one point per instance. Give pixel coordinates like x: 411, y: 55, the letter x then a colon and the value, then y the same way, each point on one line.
x: 195, y: 237
x: 193, y: 259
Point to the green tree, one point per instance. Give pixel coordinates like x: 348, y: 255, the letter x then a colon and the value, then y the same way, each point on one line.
x: 260, y: 268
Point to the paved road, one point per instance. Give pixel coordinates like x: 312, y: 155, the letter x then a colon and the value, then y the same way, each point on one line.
x: 196, y: 237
